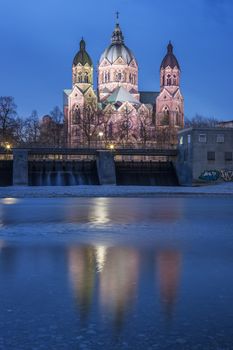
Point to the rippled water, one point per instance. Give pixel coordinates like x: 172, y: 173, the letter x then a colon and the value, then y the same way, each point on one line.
x: 116, y: 273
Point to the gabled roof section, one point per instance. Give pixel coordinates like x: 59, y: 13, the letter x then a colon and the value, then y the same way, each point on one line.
x: 120, y: 94
x: 148, y: 97
x: 105, y: 90
x: 67, y: 91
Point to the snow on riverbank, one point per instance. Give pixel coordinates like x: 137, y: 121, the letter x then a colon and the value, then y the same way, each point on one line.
x: 113, y: 191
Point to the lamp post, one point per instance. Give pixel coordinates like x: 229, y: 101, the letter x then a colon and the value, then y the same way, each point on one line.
x: 100, y: 134
x: 8, y: 148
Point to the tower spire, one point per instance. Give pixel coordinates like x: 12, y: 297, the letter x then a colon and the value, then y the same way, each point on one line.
x: 117, y: 36
x: 117, y: 16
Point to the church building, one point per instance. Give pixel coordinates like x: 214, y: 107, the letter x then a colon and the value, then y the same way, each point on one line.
x: 118, y: 112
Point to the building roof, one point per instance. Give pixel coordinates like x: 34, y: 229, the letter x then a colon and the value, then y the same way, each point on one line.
x: 67, y: 91
x: 148, y: 97
x: 226, y: 122
x: 170, y: 59
x: 82, y: 56
x: 120, y: 94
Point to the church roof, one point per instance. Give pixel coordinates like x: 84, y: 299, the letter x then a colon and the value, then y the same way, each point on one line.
x: 120, y: 94
x: 170, y: 59
x: 82, y: 56
x: 148, y: 97
x: 67, y: 91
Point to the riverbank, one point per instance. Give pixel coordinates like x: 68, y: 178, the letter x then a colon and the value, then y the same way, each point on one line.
x: 224, y: 189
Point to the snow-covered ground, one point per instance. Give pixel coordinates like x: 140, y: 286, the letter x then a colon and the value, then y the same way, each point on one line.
x: 113, y: 191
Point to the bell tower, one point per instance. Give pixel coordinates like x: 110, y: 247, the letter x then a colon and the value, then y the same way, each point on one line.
x: 82, y: 69
x: 170, y: 102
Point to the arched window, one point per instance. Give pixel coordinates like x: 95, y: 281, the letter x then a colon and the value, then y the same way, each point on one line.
x: 169, y: 80
x: 165, y: 116
x: 79, y: 77
x: 130, y: 78
x: 76, y: 116
x: 166, y: 110
x: 134, y: 79
x: 108, y: 76
x: 118, y: 76
x: 86, y: 77
x: 105, y: 77
x: 176, y: 119
x: 174, y: 80
x: 163, y: 80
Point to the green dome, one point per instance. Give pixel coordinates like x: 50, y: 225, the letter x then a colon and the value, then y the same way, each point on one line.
x: 82, y: 56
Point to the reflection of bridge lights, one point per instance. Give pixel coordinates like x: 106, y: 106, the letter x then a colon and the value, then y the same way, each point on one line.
x: 100, y: 252
x: 10, y: 201
x: 100, y: 211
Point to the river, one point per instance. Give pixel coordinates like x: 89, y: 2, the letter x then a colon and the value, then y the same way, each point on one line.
x: 116, y: 273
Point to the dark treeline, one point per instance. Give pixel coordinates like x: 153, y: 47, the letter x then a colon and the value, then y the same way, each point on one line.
x: 201, y: 122
x: 30, y: 131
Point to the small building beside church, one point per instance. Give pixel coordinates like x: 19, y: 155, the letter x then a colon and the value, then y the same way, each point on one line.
x: 205, y: 155
x: 118, y: 111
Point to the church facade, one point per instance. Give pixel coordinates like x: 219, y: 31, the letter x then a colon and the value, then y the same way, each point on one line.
x: 118, y: 112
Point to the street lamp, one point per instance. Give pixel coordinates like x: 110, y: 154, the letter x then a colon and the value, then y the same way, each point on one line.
x: 100, y: 134
x: 111, y: 147
x: 8, y: 148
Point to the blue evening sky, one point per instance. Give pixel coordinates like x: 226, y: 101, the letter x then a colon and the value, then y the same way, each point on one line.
x: 39, y: 39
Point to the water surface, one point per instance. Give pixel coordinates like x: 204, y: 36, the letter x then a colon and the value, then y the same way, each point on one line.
x: 116, y: 273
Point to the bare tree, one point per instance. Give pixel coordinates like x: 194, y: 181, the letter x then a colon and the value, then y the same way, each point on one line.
x: 19, y: 132
x: 166, y: 137
x: 145, y: 120
x: 89, y: 121
x: 52, y: 129
x: 32, y: 129
x: 125, y: 127
x: 201, y: 121
x: 8, y: 116
x: 106, y: 127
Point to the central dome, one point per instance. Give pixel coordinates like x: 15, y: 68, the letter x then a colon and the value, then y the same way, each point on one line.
x: 117, y: 48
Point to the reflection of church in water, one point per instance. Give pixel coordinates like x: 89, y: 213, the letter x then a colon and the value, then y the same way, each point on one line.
x: 123, y: 112
x: 113, y: 274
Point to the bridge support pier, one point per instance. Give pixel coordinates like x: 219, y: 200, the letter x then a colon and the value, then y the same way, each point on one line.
x: 106, y: 167
x: 20, y: 167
